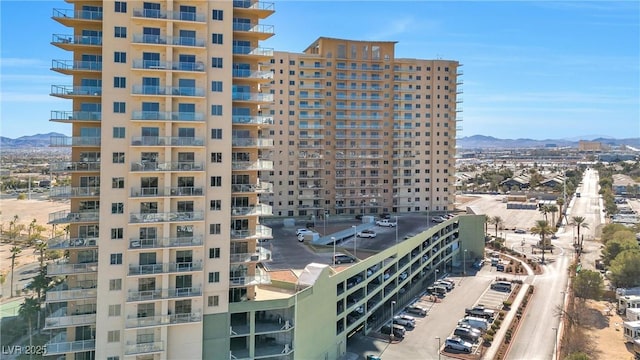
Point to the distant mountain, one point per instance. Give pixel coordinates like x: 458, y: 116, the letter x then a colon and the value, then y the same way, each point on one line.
x: 490, y: 142
x: 32, y: 141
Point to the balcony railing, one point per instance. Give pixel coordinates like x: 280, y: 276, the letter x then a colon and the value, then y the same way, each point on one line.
x: 135, y: 218
x: 75, y: 166
x: 252, y: 165
x: 252, y: 74
x: 64, y: 216
x: 261, y: 187
x: 167, y: 90
x: 253, y: 28
x: 57, y: 115
x: 150, y: 295
x: 77, y: 40
x: 167, y: 166
x: 67, y: 321
x: 164, y: 268
x: 65, y: 192
x: 249, y: 280
x: 69, y: 65
x: 260, y: 232
x: 256, y: 120
x: 165, y: 242
x: 64, y: 242
x: 251, y: 142
x: 258, y: 97
x: 170, y: 191
x: 59, y: 348
x: 166, y: 141
x: 260, y: 255
x: 71, y: 294
x: 79, y: 14
x: 168, y: 65
x: 64, y: 141
x: 171, y: 40
x: 144, y: 348
x: 63, y: 90
x: 159, y: 320
x: 252, y: 51
x: 67, y: 269
x: 167, y: 116
x: 257, y: 5
x: 172, y: 15
x: 259, y: 210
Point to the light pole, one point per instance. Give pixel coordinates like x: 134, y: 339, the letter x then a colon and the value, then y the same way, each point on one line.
x: 324, y: 233
x: 396, y: 232
x: 391, y: 325
x: 435, y: 275
x: 355, y: 240
x: 333, y: 240
x: 438, y: 338
x: 555, y: 344
x: 464, y: 262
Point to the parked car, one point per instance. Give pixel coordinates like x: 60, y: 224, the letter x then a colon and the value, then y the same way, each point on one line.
x: 385, y: 216
x: 366, y: 234
x: 359, y: 217
x: 386, y: 223
x: 408, y: 318
x: 480, y: 311
x: 449, y: 284
x: 456, y: 343
x: 475, y: 322
x: 467, y: 333
x: 343, y: 258
x: 398, y: 330
x: 406, y: 323
x: 520, y: 231
x: 438, y: 219
x: 501, y: 286
x: 417, y: 310
x: 303, y: 231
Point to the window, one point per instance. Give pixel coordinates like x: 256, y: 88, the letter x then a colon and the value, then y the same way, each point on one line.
x: 116, y: 259
x: 216, y: 62
x: 115, y: 284
x: 121, y: 7
x: 216, y: 38
x: 119, y: 107
x: 118, y: 158
x: 113, y: 336
x: 217, y: 15
x: 214, y: 253
x: 214, y: 229
x: 216, y: 86
x: 120, y: 32
x: 113, y: 357
x: 216, y: 157
x: 117, y: 183
x: 117, y: 208
x: 216, y: 181
x: 114, y: 310
x: 214, y: 277
x: 216, y: 205
x: 119, y: 82
x: 118, y: 132
x: 117, y: 233
x: 216, y: 133
x: 213, y: 300
x: 120, y: 57
x: 216, y: 110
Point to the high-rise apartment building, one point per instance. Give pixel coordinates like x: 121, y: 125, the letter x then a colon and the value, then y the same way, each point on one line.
x: 161, y: 233
x: 359, y: 131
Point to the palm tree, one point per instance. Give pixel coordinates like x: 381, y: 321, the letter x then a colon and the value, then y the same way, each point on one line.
x: 543, y: 229
x: 14, y: 252
x: 41, y: 247
x: 28, y: 308
x: 579, y: 222
x: 553, y: 210
x: 496, y: 221
x: 544, y: 209
x: 560, y: 202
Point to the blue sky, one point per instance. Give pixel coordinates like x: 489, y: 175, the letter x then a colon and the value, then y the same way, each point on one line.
x: 536, y: 70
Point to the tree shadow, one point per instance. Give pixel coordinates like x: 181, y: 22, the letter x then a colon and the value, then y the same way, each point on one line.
x: 594, y: 318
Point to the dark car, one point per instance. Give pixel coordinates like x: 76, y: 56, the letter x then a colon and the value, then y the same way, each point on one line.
x: 385, y: 216
x: 398, y: 330
x: 467, y: 333
x: 359, y: 217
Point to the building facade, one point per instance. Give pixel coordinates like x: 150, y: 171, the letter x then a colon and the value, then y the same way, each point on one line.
x: 359, y: 131
x: 163, y: 231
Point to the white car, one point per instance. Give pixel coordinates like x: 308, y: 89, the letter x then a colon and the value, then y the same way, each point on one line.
x: 303, y: 231
x: 456, y: 343
x: 367, y: 234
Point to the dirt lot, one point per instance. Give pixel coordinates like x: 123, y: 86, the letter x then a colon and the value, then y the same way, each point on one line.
x: 606, y: 332
x: 492, y: 205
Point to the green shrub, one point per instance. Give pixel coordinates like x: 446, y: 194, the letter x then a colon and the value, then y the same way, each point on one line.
x: 22, y: 196
x: 491, y: 332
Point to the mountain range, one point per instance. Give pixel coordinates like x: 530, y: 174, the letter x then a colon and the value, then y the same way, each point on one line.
x: 467, y: 142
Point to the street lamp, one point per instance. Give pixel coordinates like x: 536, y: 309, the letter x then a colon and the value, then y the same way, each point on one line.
x: 333, y: 240
x: 396, y: 232
x: 464, y: 262
x: 438, y: 338
x: 435, y: 275
x: 355, y: 240
x: 324, y: 233
x: 555, y: 344
x: 391, y: 326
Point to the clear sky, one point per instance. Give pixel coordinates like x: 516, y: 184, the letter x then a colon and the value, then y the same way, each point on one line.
x: 539, y: 70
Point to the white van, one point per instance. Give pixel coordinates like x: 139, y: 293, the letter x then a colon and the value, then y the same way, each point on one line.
x: 475, y: 322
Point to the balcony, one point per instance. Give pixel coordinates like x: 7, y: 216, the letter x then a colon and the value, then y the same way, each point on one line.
x: 257, y: 210
x: 257, y: 31
x: 71, y: 92
x: 252, y: 74
x: 260, y: 232
x: 68, y: 321
x: 65, y: 217
x: 251, y: 142
x: 168, y: 40
x: 168, y: 65
x: 260, y: 255
x: 58, y: 295
x: 70, y: 67
x: 65, y: 141
x: 167, y: 166
x: 251, y: 120
x: 166, y: 90
x: 253, y: 52
x: 164, y: 268
x: 249, y: 7
x: 75, y: 116
x: 144, y: 348
x: 91, y: 166
x: 252, y: 165
x: 167, y: 116
x: 165, y: 242
x: 252, y: 97
x: 67, y: 192
x: 151, y: 295
x: 160, y: 320
x: 61, y: 348
x: 69, y: 17
x: 71, y: 269
x: 138, y: 218
x: 261, y: 187
x: 64, y: 242
x: 170, y: 191
x: 170, y: 15
x: 166, y: 141
x: 249, y: 280
x: 72, y: 42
